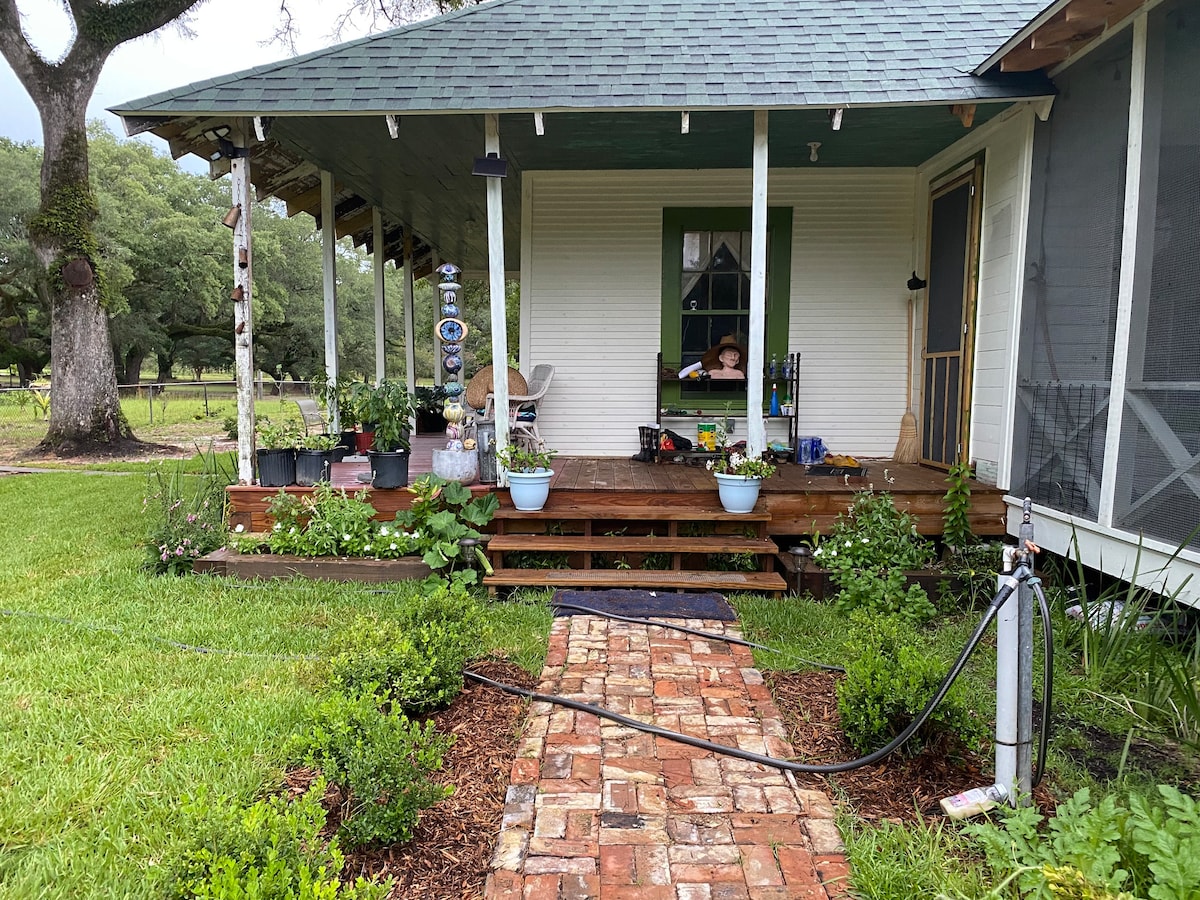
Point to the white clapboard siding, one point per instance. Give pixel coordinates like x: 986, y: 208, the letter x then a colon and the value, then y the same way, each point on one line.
x: 591, y: 286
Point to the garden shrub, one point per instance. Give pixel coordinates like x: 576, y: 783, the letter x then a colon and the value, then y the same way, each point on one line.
x: 1114, y: 849
x: 415, y: 662
x: 382, y: 761
x: 867, y: 552
x: 890, y: 676
x: 273, y: 848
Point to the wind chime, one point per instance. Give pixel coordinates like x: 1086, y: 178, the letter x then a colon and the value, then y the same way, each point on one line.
x: 452, y: 330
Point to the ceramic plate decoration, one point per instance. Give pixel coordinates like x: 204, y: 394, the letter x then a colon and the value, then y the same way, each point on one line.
x: 453, y: 330
x: 452, y: 363
x: 452, y: 349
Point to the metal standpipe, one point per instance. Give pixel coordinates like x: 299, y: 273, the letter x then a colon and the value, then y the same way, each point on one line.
x: 1014, y: 669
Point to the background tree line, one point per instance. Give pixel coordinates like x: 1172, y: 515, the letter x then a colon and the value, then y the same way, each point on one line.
x: 167, y: 261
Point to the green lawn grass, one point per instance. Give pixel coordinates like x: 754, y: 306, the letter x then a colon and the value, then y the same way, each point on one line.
x: 105, y: 727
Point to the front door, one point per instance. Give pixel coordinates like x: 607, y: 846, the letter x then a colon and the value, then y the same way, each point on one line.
x: 949, y: 321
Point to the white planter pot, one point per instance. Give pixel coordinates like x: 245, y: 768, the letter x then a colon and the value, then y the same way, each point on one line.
x: 738, y: 493
x: 529, y: 490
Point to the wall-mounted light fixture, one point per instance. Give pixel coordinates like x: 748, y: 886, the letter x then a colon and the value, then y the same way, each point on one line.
x: 219, y: 135
x: 491, y: 166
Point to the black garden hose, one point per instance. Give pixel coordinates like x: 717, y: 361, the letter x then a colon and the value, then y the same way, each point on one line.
x: 784, y: 764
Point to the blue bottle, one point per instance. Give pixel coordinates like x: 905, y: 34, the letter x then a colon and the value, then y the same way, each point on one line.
x: 774, y: 400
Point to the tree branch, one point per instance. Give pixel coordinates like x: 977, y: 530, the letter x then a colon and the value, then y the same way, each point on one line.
x: 105, y: 26
x: 28, y: 66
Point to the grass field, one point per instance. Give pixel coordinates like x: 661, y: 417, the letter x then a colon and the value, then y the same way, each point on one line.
x: 105, y: 727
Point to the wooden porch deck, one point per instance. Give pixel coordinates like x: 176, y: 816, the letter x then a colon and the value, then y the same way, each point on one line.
x: 796, y: 502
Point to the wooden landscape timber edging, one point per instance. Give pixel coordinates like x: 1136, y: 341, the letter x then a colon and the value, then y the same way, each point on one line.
x: 232, y: 564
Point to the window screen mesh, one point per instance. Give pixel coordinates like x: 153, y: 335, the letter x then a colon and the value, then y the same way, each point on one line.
x: 1072, y: 274
x: 1158, y: 486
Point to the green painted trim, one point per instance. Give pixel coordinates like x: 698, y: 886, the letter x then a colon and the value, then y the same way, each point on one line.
x: 779, y: 285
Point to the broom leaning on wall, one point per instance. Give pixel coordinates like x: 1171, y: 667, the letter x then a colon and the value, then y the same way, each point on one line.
x: 908, y: 449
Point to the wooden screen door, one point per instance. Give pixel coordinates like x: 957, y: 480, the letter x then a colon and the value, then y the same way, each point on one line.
x: 949, y: 320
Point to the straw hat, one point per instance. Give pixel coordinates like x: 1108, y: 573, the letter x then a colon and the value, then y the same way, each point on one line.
x: 481, y: 385
x: 711, y: 358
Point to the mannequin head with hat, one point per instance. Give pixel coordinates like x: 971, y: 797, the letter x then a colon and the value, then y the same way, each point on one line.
x: 725, y: 360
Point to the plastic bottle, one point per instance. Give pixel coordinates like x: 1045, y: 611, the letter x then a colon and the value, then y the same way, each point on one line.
x: 774, y: 366
x: 787, y: 399
x: 774, y: 400
x: 787, y: 368
x: 973, y: 802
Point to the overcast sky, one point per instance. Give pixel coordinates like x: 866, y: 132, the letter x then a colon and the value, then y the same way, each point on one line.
x: 228, y: 38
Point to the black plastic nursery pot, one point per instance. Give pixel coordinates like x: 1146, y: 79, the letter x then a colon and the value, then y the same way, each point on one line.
x: 276, y: 468
x: 313, y: 466
x: 389, y: 470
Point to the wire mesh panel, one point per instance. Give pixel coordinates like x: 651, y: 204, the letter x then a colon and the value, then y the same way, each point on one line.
x: 1158, y: 487
x: 1073, y: 267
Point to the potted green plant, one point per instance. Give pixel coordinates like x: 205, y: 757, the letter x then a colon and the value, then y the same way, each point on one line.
x: 314, y: 458
x: 739, y: 477
x: 360, y: 400
x: 390, y: 407
x: 428, y: 401
x: 276, y: 452
x: 529, y: 474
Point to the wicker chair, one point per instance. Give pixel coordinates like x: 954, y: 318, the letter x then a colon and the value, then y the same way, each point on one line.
x: 524, y: 432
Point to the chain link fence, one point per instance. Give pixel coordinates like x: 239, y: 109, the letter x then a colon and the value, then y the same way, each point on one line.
x: 25, y: 411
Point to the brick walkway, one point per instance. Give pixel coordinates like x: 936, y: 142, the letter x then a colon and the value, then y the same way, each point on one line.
x: 600, y: 810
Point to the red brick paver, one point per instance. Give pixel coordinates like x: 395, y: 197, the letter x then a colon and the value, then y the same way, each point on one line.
x: 601, y: 810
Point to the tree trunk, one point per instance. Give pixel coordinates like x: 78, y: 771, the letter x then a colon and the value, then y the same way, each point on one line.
x: 85, y: 409
x: 132, y: 366
x: 166, y: 362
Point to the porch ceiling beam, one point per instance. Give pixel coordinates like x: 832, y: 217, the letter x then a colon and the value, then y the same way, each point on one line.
x: 355, y: 223
x: 306, y: 201
x: 1026, y: 59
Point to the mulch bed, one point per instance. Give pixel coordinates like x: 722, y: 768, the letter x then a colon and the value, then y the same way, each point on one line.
x: 899, y: 789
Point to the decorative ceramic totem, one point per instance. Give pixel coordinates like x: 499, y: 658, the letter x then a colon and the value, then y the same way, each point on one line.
x: 452, y: 330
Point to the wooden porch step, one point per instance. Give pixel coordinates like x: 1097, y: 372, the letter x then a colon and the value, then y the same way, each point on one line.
x: 633, y: 544
x: 578, y: 510
x: 753, y: 582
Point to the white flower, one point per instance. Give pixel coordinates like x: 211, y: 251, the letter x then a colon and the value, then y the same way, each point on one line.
x: 239, y: 528
x: 864, y: 540
x: 833, y: 553
x: 817, y: 552
x: 384, y: 531
x: 292, y: 530
x: 345, y: 537
x: 367, y: 549
x: 277, y: 526
x: 392, y: 547
x: 849, y: 543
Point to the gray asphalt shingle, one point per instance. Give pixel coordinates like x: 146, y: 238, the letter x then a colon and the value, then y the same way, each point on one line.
x: 584, y: 54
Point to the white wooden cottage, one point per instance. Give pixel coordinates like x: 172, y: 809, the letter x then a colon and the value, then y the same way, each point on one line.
x: 679, y: 171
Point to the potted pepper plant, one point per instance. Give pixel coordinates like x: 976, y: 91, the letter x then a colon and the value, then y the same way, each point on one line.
x: 390, y: 407
x: 529, y: 474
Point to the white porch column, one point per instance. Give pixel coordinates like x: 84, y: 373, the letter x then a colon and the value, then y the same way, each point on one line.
x: 495, y: 214
x: 243, y: 319
x: 329, y: 282
x: 756, y: 429
x: 410, y: 345
x: 378, y: 265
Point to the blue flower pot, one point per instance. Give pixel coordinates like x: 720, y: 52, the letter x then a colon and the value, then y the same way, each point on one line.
x: 738, y: 493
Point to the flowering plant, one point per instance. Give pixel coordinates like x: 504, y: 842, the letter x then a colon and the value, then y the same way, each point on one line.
x: 189, y: 513
x: 735, y: 463
x: 867, y: 552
